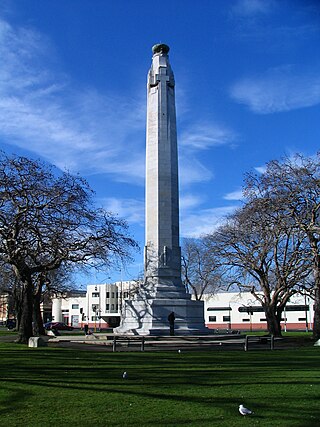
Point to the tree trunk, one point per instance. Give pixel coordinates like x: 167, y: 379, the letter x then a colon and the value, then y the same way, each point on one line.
x: 273, y: 321
x: 316, y: 318
x: 17, y: 301
x: 38, y: 328
x: 25, y: 327
x: 316, y: 276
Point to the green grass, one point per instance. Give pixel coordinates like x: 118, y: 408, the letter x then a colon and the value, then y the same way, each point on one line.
x: 54, y: 387
x: 4, y: 332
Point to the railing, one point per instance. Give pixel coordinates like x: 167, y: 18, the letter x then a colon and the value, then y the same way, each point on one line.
x: 127, y: 341
x: 258, y: 339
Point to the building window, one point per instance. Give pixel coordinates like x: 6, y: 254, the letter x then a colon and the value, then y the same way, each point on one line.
x: 95, y: 294
x: 212, y: 318
x: 246, y: 320
x: 94, y: 318
x: 302, y: 319
x: 108, y: 294
x: 297, y: 307
x: 107, y: 307
x: 263, y: 319
x: 117, y: 295
x: 112, y: 294
x: 219, y: 309
x: 75, y: 306
x: 94, y: 307
x: 125, y: 294
x: 251, y: 309
x: 112, y: 306
x: 117, y: 307
x: 226, y: 319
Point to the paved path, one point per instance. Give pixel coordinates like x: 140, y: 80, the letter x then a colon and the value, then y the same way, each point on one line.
x: 104, y: 342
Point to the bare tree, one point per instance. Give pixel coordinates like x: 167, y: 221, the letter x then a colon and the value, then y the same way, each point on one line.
x: 293, y: 185
x: 200, y: 270
x: 47, y: 219
x: 46, y: 285
x: 265, y: 256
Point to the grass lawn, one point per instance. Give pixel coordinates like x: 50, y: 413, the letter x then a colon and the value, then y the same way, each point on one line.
x: 55, y: 387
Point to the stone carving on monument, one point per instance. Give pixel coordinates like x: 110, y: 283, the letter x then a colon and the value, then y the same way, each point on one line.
x: 162, y: 291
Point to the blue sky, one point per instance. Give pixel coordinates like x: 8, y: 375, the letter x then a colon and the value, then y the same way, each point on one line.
x: 73, y: 92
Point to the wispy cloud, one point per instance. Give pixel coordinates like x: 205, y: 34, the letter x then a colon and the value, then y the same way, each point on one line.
x: 202, y: 136
x: 131, y: 209
x: 78, y: 129
x: 279, y: 89
x: 192, y: 171
x: 204, y: 221
x: 197, y: 219
x: 189, y: 201
x: 249, y: 8
x: 234, y: 195
x: 198, y: 137
x: 260, y: 169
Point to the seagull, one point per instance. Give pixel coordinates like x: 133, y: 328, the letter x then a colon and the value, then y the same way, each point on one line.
x: 245, y: 411
x: 124, y: 375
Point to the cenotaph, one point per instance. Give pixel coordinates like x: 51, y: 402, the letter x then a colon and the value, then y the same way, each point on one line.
x: 162, y: 292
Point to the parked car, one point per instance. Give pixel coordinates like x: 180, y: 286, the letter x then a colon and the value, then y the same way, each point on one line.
x: 11, y: 323
x: 58, y: 326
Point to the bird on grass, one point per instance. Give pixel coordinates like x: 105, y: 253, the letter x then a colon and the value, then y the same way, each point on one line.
x: 124, y: 375
x: 245, y: 411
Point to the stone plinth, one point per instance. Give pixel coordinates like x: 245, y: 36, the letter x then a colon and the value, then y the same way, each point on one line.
x: 150, y: 317
x: 36, y: 342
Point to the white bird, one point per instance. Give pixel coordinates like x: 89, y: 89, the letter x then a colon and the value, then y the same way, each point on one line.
x: 124, y: 375
x: 179, y: 351
x: 245, y: 411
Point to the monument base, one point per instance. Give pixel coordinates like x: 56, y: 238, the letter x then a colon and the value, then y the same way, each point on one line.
x: 150, y: 317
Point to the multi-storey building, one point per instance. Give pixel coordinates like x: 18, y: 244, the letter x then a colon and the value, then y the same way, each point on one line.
x: 99, y: 306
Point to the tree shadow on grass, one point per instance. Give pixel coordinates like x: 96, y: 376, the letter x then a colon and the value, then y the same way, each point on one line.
x: 225, y: 406
x: 167, y: 378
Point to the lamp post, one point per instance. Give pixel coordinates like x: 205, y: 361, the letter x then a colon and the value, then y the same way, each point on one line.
x: 99, y: 314
x: 306, y: 311
x: 250, y: 312
x: 285, y: 319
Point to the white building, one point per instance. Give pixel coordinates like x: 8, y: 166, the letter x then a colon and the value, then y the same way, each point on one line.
x: 243, y: 312
x: 100, y: 307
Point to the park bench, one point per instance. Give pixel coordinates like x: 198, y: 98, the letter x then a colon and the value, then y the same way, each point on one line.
x: 258, y: 339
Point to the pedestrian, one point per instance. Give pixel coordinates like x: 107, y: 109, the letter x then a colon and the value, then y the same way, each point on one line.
x: 171, y: 319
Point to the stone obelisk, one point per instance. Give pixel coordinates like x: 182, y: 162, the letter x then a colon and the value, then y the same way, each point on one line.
x: 162, y: 291
x: 162, y: 250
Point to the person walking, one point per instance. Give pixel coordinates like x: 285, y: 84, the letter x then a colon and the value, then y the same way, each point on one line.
x: 171, y: 319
